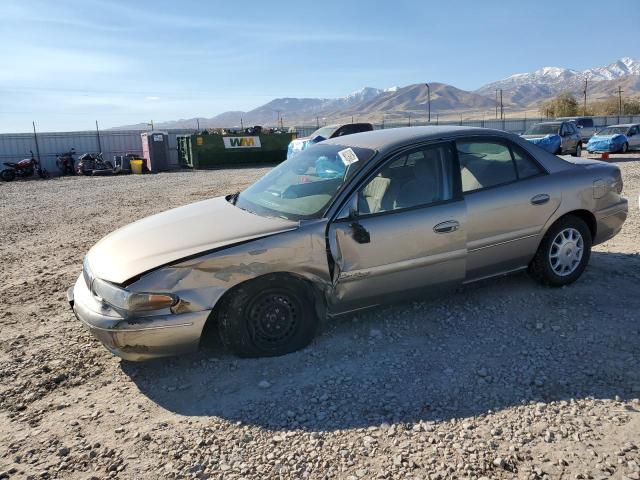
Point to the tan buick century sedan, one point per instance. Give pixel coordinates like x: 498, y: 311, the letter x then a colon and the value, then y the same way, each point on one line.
x: 348, y: 223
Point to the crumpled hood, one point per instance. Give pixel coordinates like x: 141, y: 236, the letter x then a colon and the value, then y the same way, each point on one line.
x: 178, y: 233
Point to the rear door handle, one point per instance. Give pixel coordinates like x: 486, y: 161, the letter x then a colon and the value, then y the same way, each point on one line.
x: 540, y: 199
x: 446, y: 227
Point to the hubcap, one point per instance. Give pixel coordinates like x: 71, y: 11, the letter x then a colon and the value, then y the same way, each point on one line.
x: 273, y: 319
x: 566, y: 252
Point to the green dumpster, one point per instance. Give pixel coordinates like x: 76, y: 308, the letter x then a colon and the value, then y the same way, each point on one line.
x: 205, y: 151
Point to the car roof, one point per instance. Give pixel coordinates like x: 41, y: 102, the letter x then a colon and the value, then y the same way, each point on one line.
x: 628, y: 125
x: 558, y: 122
x: 392, y: 138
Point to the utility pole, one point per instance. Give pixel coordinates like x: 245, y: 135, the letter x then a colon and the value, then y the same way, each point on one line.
x: 409, y: 119
x: 98, y: 137
x: 241, y: 124
x: 586, y: 82
x: 428, y: 101
x: 317, y: 123
x: 351, y: 118
x: 278, y: 120
x: 501, y: 106
x: 620, y: 100
x: 35, y: 139
x: 383, y: 121
x: 496, y: 103
x: 197, y: 124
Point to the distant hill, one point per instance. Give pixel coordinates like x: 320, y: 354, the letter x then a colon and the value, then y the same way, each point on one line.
x: 522, y: 91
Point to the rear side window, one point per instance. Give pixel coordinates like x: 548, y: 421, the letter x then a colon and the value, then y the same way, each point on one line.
x: 586, y: 122
x: 527, y: 167
x: 485, y: 164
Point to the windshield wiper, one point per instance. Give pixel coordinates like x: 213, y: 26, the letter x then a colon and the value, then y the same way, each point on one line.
x: 234, y: 198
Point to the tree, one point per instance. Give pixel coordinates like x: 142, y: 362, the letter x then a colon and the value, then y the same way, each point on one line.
x: 563, y: 105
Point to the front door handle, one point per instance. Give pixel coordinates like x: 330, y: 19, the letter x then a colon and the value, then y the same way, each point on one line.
x: 540, y: 199
x: 446, y: 227
x: 360, y: 234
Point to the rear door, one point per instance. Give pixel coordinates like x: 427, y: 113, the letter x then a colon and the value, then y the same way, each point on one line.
x: 407, y: 231
x: 509, y: 199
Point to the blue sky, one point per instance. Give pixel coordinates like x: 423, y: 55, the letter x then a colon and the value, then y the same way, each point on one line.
x: 65, y: 63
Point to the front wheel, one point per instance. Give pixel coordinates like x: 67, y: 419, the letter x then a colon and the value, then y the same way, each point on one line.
x: 8, y: 175
x: 563, y: 253
x: 43, y: 173
x: 268, y: 317
x: 625, y: 148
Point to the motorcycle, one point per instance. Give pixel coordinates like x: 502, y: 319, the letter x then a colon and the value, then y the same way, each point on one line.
x: 23, y: 169
x: 93, y: 164
x: 64, y: 161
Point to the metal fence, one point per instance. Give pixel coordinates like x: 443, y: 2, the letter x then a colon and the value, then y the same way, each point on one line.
x: 15, y: 146
x: 514, y: 125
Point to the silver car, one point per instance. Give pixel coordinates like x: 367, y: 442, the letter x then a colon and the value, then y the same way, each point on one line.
x: 349, y: 223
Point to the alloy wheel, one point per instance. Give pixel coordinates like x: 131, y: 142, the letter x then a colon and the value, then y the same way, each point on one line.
x: 566, y: 252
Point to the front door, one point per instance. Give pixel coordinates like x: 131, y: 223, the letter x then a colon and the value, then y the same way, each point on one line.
x: 406, y: 231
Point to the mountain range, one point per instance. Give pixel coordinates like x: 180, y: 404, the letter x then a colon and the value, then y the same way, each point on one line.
x: 520, y: 92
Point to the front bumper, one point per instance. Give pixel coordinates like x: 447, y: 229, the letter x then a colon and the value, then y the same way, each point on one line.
x: 140, y: 338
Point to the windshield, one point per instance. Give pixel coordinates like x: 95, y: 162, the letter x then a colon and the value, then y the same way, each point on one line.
x: 543, y: 129
x: 613, y: 131
x: 324, y: 132
x: 303, y: 186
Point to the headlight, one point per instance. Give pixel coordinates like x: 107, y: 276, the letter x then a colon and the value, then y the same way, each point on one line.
x: 136, y: 302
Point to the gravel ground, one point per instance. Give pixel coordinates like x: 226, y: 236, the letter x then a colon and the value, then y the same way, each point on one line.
x: 500, y: 379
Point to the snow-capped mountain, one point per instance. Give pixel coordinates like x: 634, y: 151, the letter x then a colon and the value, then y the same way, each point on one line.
x: 527, y: 88
x: 520, y: 91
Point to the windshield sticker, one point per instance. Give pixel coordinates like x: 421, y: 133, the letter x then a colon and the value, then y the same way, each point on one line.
x: 348, y: 156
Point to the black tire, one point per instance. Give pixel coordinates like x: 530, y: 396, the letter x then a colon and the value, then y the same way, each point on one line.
x: 8, y: 175
x: 541, y: 267
x: 43, y: 173
x: 625, y: 148
x: 108, y: 165
x: 271, y: 316
x: 578, y: 151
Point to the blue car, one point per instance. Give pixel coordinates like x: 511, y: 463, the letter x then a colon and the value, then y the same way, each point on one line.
x: 615, y: 139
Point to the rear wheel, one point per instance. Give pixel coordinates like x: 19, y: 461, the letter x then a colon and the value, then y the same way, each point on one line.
x: 43, y: 173
x: 267, y: 317
x: 578, y: 151
x: 8, y: 175
x: 563, y: 253
x: 625, y: 148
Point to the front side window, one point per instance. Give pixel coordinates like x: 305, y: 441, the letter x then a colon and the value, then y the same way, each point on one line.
x: 484, y: 164
x: 303, y: 186
x: 418, y: 178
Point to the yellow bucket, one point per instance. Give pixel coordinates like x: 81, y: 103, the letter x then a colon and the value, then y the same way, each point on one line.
x: 136, y: 166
